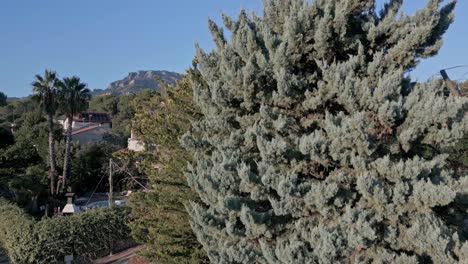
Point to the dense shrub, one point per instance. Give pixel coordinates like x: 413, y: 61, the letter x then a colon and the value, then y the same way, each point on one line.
x: 16, y: 233
x: 83, y: 234
x: 49, y: 240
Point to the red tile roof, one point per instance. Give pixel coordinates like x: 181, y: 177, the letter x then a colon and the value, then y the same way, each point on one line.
x: 79, y: 131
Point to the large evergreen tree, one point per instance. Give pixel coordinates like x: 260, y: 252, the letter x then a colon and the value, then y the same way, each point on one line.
x: 459, y: 152
x: 310, y: 146
x: 160, y: 219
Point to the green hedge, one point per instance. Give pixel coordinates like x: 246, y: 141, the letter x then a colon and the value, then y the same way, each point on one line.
x: 15, y: 232
x: 49, y: 240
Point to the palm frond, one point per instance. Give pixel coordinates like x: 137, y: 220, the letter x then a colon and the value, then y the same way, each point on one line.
x: 74, y: 96
x: 45, y: 91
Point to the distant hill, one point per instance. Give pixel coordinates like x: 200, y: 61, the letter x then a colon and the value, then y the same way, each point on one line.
x: 136, y: 81
x: 10, y: 99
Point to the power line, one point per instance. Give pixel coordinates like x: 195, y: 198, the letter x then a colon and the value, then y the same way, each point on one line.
x: 463, y: 75
x: 95, y: 189
x: 111, y: 162
x: 455, y: 67
x: 450, y: 68
x: 133, y: 178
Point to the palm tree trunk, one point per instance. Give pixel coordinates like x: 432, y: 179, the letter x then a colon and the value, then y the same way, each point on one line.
x: 52, y: 170
x: 66, y: 162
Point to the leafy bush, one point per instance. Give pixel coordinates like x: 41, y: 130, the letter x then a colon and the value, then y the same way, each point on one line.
x: 49, y: 240
x: 83, y: 234
x: 16, y: 232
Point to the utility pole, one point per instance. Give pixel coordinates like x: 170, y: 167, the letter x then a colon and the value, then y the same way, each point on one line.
x: 451, y: 85
x: 111, y: 198
x: 111, y: 202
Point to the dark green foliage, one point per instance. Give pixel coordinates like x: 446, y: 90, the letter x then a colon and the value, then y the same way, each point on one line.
x: 105, y: 103
x: 122, y: 111
x: 310, y: 148
x: 73, y: 96
x: 49, y: 240
x: 46, y: 94
x: 89, y: 164
x: 30, y: 139
x: 24, y: 154
x: 23, y: 166
x: 45, y: 91
x: 16, y: 233
x: 6, y: 137
x: 83, y: 234
x: 3, y: 99
x: 14, y: 110
x: 161, y: 221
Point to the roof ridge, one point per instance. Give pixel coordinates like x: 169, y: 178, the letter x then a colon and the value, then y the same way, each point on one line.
x: 79, y: 131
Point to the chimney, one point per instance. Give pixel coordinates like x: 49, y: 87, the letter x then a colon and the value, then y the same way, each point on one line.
x: 70, y: 207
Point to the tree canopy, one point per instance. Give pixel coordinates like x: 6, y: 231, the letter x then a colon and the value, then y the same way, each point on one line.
x: 3, y: 99
x: 310, y: 145
x: 161, y: 221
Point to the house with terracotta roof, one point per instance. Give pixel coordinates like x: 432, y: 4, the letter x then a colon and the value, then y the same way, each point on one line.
x: 89, y: 134
x: 89, y: 126
x: 86, y: 119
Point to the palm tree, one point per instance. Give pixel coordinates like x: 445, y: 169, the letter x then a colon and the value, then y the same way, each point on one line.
x: 45, y: 92
x: 74, y: 98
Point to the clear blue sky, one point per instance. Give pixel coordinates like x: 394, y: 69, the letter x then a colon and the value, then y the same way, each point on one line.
x: 102, y: 40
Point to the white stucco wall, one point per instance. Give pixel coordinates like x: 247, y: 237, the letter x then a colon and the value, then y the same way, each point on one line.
x: 79, y: 125
x: 94, y: 135
x: 135, y: 145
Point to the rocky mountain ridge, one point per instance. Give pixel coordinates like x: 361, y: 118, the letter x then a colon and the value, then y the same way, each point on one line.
x: 136, y: 81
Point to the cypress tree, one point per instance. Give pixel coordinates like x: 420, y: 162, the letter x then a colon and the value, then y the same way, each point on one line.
x: 310, y: 145
x: 160, y: 220
x: 459, y: 153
